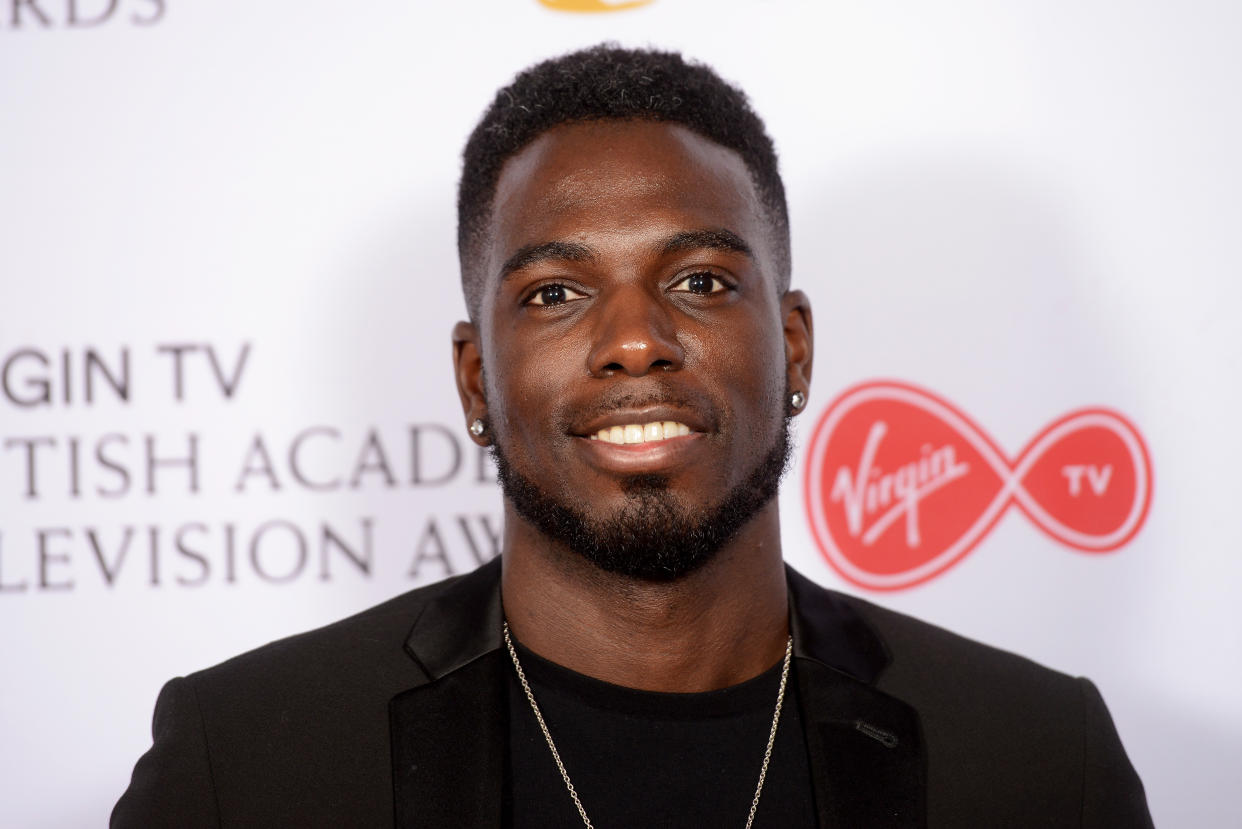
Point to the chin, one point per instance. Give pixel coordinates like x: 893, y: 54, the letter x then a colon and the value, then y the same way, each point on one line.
x: 650, y: 537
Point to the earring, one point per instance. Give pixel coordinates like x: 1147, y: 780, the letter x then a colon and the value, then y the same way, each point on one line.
x: 477, y: 428
x: 797, y: 400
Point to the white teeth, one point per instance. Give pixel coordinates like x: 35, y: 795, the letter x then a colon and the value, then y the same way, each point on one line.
x: 642, y: 432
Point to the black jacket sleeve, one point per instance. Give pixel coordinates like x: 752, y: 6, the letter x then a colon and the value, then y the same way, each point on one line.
x: 171, y: 785
x: 1112, y: 793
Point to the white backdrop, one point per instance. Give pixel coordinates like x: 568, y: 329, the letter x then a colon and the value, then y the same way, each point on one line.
x: 227, y: 274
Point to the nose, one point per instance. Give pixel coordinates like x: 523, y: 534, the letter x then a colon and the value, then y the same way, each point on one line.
x: 634, y: 334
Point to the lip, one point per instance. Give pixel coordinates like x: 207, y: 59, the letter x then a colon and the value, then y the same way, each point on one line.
x: 635, y: 458
x: 649, y: 414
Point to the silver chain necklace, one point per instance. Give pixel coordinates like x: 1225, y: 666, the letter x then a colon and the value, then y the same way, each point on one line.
x: 556, y: 755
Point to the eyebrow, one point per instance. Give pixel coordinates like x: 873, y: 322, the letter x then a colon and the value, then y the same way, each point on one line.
x: 532, y: 254
x: 712, y: 239
x: 715, y: 239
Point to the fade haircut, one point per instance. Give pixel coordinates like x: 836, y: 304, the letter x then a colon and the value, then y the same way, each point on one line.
x: 609, y: 82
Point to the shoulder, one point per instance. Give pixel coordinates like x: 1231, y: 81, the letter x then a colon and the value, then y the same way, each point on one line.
x: 1005, y: 737
x: 960, y: 686
x: 902, y: 654
x: 364, y: 641
x: 293, y: 732
x: 319, y: 685
x: 307, y: 715
x: 923, y: 654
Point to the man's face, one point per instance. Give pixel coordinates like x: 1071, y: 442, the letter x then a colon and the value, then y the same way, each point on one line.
x: 635, y: 353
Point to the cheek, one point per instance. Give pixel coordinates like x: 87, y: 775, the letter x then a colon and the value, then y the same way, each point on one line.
x: 524, y: 381
x: 749, y: 354
x: 754, y: 375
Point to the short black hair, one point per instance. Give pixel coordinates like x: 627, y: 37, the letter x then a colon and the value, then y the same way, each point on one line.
x: 609, y: 82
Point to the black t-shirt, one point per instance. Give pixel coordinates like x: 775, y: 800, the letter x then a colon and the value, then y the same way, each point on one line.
x: 645, y: 759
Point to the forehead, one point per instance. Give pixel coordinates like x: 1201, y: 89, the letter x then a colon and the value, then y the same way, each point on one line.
x: 609, y: 180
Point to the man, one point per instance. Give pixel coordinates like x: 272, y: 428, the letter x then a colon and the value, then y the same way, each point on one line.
x: 639, y: 655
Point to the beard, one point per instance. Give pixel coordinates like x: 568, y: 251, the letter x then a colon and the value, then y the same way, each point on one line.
x: 652, y: 537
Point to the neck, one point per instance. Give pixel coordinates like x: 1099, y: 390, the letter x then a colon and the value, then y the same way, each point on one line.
x: 718, y: 626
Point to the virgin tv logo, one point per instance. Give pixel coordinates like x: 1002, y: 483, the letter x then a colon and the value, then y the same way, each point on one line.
x: 901, y: 485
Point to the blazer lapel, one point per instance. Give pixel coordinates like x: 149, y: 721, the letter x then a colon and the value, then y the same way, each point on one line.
x: 448, y: 741
x: 864, y: 747
x: 448, y: 734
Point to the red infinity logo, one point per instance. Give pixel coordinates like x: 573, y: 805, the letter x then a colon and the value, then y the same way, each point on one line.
x: 900, y: 485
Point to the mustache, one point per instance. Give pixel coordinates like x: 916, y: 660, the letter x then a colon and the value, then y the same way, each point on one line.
x: 572, y: 413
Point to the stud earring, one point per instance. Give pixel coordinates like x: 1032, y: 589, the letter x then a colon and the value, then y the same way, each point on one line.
x: 797, y: 400
x: 477, y: 428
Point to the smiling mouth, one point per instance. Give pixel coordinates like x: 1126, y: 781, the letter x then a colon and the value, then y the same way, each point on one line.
x: 656, y: 430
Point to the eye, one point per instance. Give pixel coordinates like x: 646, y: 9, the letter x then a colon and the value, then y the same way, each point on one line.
x: 701, y: 283
x: 553, y: 294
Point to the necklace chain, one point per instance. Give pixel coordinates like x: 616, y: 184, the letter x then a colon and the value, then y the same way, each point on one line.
x: 560, y: 765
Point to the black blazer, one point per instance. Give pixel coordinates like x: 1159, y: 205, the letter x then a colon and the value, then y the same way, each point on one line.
x: 398, y: 715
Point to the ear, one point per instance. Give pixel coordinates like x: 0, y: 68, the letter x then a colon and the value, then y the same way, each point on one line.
x: 468, y: 371
x: 799, y: 341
